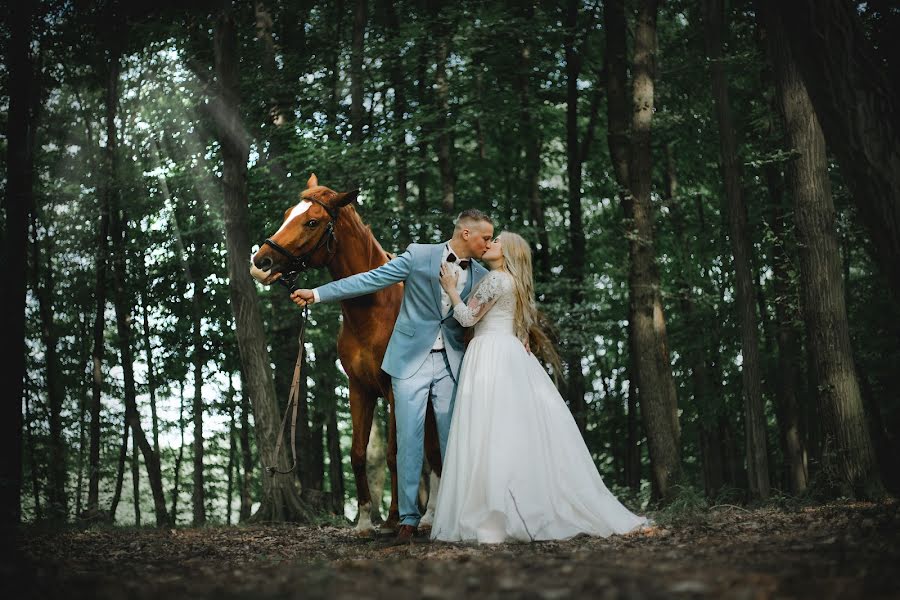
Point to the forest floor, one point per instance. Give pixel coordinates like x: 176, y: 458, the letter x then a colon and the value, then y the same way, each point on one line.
x: 838, y: 550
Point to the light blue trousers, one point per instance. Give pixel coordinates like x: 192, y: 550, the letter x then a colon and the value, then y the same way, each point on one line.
x: 432, y: 382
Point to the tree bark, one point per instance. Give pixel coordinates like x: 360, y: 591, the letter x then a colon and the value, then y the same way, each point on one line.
x: 401, y: 151
x: 444, y: 33
x: 281, y: 498
x: 741, y: 247
x: 858, y: 108
x: 246, y: 454
x: 357, y: 88
x: 849, y: 452
x: 652, y: 372
x: 57, y: 499
x: 20, y: 134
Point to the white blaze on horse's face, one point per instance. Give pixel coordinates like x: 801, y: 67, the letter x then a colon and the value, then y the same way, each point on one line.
x: 298, y: 210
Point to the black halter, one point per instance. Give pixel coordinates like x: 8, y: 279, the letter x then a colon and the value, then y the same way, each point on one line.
x: 299, y: 264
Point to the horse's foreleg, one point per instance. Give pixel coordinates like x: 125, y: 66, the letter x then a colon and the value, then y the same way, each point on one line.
x: 362, y: 409
x: 393, y: 520
x: 433, y: 455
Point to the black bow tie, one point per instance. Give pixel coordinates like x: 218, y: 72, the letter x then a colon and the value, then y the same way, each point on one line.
x: 463, y: 263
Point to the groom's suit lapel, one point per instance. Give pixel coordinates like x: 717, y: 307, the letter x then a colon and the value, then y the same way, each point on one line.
x: 437, y: 250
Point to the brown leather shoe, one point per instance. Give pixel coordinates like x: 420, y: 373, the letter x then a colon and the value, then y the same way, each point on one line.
x: 405, y: 533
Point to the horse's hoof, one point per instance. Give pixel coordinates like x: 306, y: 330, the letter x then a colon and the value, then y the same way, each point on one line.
x: 391, y: 525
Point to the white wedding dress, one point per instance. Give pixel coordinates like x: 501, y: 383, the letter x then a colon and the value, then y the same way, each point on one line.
x: 517, y: 467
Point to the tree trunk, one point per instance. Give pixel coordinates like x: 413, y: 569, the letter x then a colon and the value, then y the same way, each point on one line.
x: 20, y: 134
x: 335, y: 462
x: 848, y: 452
x: 531, y: 133
x: 281, y: 499
x: 120, y: 474
x: 198, y: 493
x: 117, y: 231
x: 232, y: 439
x: 148, y: 354
x: 400, y: 150
x: 180, y: 456
x: 136, y: 480
x: 754, y: 414
x: 858, y: 108
x: 575, y: 376
x: 246, y: 455
x: 32, y: 458
x: 57, y: 501
x: 357, y: 88
x: 444, y: 32
x: 659, y: 405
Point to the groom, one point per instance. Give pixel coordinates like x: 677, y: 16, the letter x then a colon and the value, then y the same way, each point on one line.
x: 426, y: 348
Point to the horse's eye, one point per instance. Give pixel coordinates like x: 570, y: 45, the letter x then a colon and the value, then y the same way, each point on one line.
x: 312, y: 223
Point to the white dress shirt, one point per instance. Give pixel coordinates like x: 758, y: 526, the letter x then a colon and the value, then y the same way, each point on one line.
x: 445, y: 298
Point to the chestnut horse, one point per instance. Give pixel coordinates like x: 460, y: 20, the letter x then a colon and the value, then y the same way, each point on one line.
x: 324, y: 230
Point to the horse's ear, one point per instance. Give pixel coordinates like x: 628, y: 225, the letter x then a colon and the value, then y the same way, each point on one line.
x: 345, y: 198
x: 312, y: 182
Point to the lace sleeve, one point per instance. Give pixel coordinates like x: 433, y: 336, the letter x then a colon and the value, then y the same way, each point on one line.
x: 486, y: 294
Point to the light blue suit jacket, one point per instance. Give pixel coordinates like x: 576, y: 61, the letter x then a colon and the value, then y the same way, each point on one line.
x: 420, y: 315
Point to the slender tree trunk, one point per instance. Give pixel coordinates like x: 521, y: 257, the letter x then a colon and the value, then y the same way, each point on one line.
x: 246, y: 455
x: 85, y: 337
x: 198, y: 493
x: 858, y: 107
x: 180, y: 456
x: 281, y: 499
x: 136, y: 480
x: 575, y: 376
x: 754, y: 414
x: 232, y: 439
x: 442, y: 99
x: 21, y: 83
x: 57, y: 501
x: 357, y: 87
x: 532, y: 135
x: 120, y: 473
x: 400, y: 151
x: 335, y: 463
x: 424, y: 100
x: 793, y: 447
x: 849, y: 451
x: 117, y: 231
x: 32, y: 458
x: 376, y: 465
x: 148, y: 354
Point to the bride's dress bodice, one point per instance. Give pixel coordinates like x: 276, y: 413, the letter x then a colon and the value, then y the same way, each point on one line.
x: 492, y: 307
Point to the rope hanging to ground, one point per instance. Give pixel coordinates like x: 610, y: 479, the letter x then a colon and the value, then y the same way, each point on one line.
x: 292, y: 407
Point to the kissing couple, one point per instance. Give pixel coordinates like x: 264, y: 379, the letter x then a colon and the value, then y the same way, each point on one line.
x: 515, y: 467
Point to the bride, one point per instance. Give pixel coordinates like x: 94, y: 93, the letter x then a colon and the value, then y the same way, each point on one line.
x: 516, y: 466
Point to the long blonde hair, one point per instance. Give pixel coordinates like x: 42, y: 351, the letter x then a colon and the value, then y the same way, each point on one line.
x: 530, y: 323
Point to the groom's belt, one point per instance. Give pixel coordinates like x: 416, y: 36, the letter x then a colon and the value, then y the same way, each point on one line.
x: 437, y: 349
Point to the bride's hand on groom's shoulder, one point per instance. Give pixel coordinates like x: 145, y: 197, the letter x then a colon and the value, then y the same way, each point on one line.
x: 448, y: 278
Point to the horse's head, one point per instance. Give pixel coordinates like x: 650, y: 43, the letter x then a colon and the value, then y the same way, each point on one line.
x: 305, y: 238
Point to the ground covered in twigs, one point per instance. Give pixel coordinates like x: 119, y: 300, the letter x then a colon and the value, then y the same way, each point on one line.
x: 840, y: 550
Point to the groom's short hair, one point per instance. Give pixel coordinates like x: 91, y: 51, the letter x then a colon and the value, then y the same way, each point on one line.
x: 469, y: 217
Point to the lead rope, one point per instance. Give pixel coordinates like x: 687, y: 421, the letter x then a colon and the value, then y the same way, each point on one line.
x: 293, y: 404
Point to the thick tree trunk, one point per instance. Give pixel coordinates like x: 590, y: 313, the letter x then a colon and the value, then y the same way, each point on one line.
x: 858, y: 108
x: 754, y: 414
x: 281, y: 499
x: 19, y: 199
x: 849, y: 451
x: 659, y: 406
